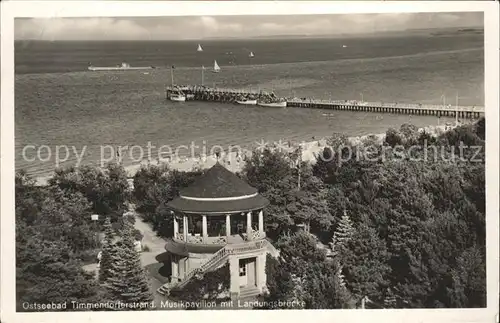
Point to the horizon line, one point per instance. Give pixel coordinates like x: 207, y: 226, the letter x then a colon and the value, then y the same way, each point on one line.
x: 264, y: 37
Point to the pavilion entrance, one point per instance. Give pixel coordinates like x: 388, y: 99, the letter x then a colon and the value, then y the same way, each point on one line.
x: 247, y: 272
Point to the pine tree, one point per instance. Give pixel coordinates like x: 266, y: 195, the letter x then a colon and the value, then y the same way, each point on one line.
x: 364, y: 260
x: 342, y: 234
x: 340, y: 277
x: 127, y: 281
x: 108, y: 250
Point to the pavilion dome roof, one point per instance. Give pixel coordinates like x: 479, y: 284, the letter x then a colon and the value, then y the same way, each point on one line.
x: 218, y: 182
x: 218, y: 191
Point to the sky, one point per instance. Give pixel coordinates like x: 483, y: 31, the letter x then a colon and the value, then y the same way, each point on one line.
x: 178, y: 28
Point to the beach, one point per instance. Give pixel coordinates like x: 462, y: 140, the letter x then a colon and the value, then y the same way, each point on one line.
x: 235, y: 161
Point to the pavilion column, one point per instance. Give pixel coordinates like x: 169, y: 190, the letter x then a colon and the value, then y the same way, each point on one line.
x: 204, y: 227
x: 249, y: 225
x: 261, y: 222
x: 176, y: 227
x: 234, y: 283
x: 261, y: 280
x: 175, y: 268
x: 185, y: 227
x: 228, y: 226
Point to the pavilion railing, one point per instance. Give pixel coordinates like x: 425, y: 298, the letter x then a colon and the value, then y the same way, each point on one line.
x: 219, y: 240
x: 254, y: 235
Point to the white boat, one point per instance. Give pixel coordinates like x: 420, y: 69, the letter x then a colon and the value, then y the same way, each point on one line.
x: 199, y: 49
x: 177, y: 97
x: 122, y: 67
x: 247, y: 102
x: 280, y: 104
x: 251, y: 55
x: 344, y: 46
x: 216, y: 67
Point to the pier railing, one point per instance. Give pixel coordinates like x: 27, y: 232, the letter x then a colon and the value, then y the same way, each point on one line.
x: 231, y: 95
x: 200, y: 88
x: 389, y: 105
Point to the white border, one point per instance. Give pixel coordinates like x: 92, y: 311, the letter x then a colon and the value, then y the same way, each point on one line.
x: 194, y: 8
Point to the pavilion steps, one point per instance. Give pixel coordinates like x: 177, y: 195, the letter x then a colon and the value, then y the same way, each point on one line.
x: 164, y: 289
x: 249, y: 293
x: 246, y: 291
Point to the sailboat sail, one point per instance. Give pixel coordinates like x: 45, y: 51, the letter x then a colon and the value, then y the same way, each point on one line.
x: 216, y: 67
x: 199, y: 48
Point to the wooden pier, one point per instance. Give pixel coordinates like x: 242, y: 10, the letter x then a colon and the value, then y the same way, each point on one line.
x: 227, y: 95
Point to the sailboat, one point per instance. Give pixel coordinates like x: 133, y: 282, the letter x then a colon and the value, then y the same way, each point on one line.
x: 251, y: 55
x: 199, y: 48
x: 216, y: 68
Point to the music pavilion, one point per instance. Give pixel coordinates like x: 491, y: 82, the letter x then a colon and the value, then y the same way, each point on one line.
x: 219, y: 219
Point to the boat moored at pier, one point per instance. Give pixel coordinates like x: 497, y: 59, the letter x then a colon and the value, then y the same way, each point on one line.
x: 178, y: 97
x: 247, y: 102
x: 274, y: 104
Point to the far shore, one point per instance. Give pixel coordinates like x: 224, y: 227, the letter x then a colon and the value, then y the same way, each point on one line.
x: 235, y: 162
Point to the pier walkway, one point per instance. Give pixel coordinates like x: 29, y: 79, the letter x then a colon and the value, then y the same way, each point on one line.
x: 228, y: 95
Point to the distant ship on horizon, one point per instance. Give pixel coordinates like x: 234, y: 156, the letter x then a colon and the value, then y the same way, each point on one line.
x: 122, y: 67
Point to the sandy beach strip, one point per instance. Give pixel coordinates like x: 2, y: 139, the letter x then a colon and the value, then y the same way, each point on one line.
x: 235, y: 161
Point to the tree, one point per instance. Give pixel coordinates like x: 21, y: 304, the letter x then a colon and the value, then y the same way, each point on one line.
x: 127, y: 280
x: 56, y: 214
x: 409, y: 134
x: 481, y: 128
x: 154, y: 187
x: 324, y: 288
x: 109, y: 251
x: 274, y: 174
x: 53, y: 235
x: 325, y: 165
x: 29, y: 198
x: 468, y: 288
x: 337, y: 142
x: 342, y: 234
x: 151, y: 186
x: 303, y: 273
x: 211, y: 286
x: 280, y: 283
x: 107, y: 189
x: 330, y: 159
x: 365, y: 263
x: 393, y: 137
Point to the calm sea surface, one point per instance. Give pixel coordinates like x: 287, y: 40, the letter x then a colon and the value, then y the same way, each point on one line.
x: 59, y: 103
